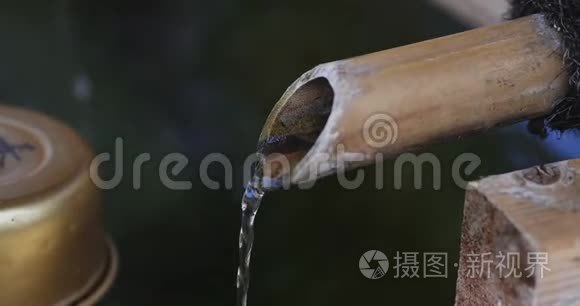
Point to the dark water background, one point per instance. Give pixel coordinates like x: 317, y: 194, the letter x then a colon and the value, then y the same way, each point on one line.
x: 200, y: 77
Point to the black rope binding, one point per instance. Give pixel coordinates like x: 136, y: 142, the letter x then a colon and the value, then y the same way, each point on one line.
x: 564, y: 15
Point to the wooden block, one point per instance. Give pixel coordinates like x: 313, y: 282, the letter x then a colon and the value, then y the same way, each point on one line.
x: 476, y: 12
x: 534, y: 215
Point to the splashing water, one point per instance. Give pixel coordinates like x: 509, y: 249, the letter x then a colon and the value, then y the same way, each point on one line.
x: 250, y: 205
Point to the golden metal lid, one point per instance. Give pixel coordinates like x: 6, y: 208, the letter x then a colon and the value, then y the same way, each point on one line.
x: 53, y: 249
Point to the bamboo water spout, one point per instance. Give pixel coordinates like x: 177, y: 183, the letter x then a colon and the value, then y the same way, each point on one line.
x: 403, y: 99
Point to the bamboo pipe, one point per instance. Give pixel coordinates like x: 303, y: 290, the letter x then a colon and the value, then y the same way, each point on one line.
x: 423, y: 93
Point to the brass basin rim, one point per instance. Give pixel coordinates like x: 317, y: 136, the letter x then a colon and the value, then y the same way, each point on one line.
x: 100, y: 284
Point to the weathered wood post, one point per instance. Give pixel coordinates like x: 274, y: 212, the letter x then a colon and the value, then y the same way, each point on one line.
x: 521, y: 238
x: 476, y: 12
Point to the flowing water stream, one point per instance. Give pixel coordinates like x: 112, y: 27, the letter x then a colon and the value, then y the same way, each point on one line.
x: 250, y: 205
